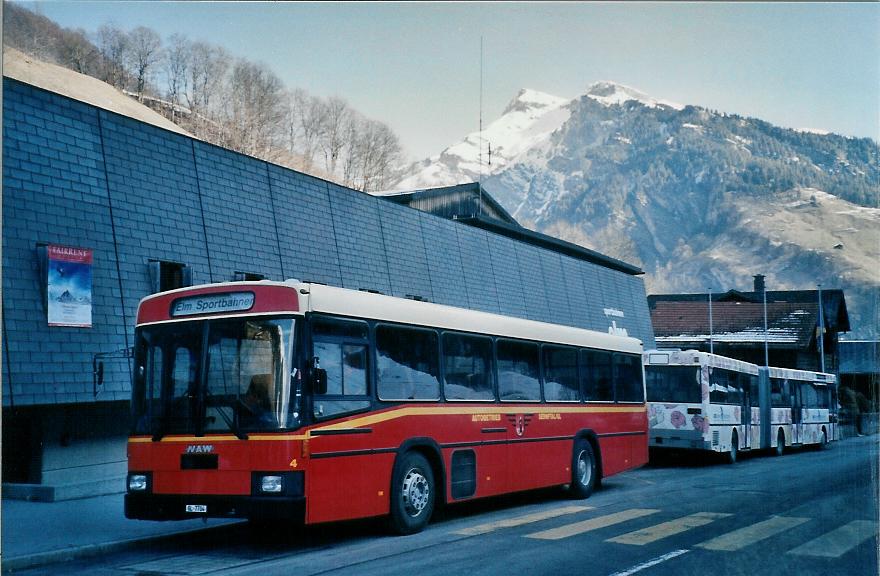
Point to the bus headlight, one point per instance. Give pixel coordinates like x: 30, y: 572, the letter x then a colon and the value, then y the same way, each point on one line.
x: 271, y: 484
x: 138, y: 483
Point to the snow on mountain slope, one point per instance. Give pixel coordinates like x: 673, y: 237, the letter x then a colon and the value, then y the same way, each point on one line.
x: 611, y: 93
x: 524, y: 127
x: 527, y: 121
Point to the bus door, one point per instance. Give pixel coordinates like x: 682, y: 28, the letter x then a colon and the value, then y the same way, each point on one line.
x: 519, y: 385
x: 797, y: 412
x: 745, y: 386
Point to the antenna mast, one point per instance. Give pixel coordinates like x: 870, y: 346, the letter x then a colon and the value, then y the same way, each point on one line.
x: 480, y: 135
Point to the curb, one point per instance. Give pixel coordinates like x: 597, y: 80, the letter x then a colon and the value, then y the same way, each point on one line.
x: 90, y: 550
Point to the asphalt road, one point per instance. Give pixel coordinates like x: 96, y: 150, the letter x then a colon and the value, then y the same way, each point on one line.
x: 805, y: 513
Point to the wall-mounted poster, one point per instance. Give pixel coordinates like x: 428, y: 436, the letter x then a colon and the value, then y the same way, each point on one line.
x: 69, y: 286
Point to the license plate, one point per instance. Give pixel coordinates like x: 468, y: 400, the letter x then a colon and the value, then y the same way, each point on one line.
x: 197, y: 508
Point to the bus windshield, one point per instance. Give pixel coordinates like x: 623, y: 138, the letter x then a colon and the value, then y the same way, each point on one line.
x: 673, y: 384
x: 213, y: 376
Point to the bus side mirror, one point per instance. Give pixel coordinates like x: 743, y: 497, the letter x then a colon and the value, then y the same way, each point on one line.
x: 319, y: 381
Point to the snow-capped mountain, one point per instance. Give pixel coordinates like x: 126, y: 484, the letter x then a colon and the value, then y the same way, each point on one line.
x: 611, y: 93
x: 526, y: 122
x: 695, y: 197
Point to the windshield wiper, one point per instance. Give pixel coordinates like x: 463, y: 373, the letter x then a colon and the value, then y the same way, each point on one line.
x: 160, y: 429
x: 230, y: 422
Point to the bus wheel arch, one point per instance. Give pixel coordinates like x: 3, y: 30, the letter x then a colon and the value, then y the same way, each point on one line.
x: 428, y: 448
x: 593, y: 439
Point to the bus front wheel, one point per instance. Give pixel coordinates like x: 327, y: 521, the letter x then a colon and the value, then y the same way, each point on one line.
x: 412, y: 494
x: 583, y: 470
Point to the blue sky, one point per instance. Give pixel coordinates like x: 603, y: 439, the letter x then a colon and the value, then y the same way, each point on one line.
x: 417, y: 66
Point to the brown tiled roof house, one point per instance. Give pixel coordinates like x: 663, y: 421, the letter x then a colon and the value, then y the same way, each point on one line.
x: 682, y: 321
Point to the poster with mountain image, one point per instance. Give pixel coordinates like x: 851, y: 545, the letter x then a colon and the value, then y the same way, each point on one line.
x: 69, y: 286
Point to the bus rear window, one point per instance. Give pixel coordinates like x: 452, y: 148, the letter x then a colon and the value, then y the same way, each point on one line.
x: 673, y: 384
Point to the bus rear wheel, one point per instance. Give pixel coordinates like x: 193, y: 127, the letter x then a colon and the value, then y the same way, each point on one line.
x: 412, y: 494
x: 780, y: 443
x: 823, y: 440
x: 583, y: 470
x: 734, y: 449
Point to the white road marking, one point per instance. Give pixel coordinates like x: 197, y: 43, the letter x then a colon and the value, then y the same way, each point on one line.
x: 650, y: 563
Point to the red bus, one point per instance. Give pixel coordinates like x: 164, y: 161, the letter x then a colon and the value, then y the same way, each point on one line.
x: 303, y: 402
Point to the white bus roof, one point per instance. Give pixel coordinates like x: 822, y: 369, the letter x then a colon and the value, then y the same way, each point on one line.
x: 354, y: 303
x: 805, y: 375
x: 360, y: 304
x: 696, y: 357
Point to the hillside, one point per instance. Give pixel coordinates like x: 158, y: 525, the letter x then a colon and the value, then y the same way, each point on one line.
x: 697, y: 198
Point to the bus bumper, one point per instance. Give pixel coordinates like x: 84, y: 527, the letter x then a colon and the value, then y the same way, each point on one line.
x: 175, y: 506
x: 679, y: 439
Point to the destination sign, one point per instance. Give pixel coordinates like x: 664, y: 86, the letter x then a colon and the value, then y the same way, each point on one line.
x: 212, y: 303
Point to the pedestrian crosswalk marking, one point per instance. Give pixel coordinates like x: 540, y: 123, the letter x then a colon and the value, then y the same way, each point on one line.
x: 666, y: 529
x: 592, y: 524
x: 838, y: 542
x: 520, y: 520
x: 743, y: 537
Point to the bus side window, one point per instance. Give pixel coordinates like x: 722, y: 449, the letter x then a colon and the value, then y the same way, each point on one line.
x: 809, y: 396
x: 560, y: 374
x: 518, y: 370
x: 628, y: 378
x: 407, y: 363
x: 346, y: 363
x: 779, y: 396
x: 596, y: 376
x: 467, y: 367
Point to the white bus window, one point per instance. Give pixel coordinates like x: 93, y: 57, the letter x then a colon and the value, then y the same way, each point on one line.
x: 779, y: 395
x: 628, y: 378
x: 596, y: 375
x: 673, y: 384
x: 560, y: 374
x: 467, y: 362
x: 518, y: 371
x: 407, y: 363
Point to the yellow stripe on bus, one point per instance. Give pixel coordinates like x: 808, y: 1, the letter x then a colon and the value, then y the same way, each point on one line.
x: 409, y: 411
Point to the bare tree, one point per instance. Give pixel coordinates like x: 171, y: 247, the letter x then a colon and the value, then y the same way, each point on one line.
x: 310, y: 116
x: 256, y: 112
x: 334, y: 121
x: 28, y: 31
x: 77, y: 53
x: 207, y: 72
x: 145, y: 51
x: 176, y: 64
x: 372, y: 154
x: 112, y: 45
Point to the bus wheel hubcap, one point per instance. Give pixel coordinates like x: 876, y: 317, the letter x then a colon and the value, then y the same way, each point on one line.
x: 583, y: 469
x: 415, y: 492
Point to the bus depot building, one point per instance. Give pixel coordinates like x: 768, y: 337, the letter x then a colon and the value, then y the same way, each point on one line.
x: 101, y: 209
